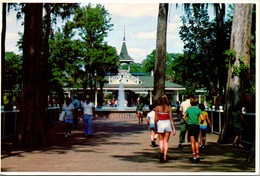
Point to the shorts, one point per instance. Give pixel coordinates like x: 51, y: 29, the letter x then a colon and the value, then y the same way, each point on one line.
x: 164, y: 126
x: 203, y: 129
x: 194, y: 130
x: 140, y: 112
x: 238, y: 130
x: 151, y: 127
x: 69, y: 121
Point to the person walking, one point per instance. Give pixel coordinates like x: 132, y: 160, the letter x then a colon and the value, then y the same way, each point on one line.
x: 164, y: 125
x: 203, y: 125
x: 191, y: 118
x: 178, y: 109
x: 88, y: 114
x: 150, y: 123
x: 239, y: 122
x: 140, y: 110
x: 184, y: 106
x: 69, y: 114
x: 75, y: 102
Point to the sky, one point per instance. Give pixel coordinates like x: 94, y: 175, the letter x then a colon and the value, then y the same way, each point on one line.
x: 140, y: 29
x: 139, y: 20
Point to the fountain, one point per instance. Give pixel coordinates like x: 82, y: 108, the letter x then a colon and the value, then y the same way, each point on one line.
x: 110, y: 112
x: 121, y: 97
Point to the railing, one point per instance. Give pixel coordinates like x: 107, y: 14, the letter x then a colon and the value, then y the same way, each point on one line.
x: 9, y: 120
x: 216, y: 119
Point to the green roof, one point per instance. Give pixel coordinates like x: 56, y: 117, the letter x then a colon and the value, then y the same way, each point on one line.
x: 124, y: 57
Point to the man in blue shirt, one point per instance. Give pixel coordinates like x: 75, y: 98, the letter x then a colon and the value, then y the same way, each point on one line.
x: 75, y: 102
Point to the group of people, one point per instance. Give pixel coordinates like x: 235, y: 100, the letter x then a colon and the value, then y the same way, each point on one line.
x: 160, y: 122
x: 195, y: 121
x: 71, y: 115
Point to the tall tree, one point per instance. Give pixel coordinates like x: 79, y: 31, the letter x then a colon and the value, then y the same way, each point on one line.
x: 33, y: 129
x: 93, y: 24
x: 159, y: 71
x: 239, y: 62
x: 221, y: 45
x: 3, y: 48
x: 52, y: 12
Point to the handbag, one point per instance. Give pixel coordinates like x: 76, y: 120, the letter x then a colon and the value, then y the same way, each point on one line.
x: 62, y: 116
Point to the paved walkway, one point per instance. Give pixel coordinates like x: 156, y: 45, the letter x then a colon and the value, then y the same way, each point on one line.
x: 121, y: 145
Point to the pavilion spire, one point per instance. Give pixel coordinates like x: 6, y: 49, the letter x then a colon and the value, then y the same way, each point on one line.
x: 124, y: 34
x: 124, y: 57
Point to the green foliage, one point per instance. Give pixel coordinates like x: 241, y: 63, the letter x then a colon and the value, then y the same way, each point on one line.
x: 149, y: 63
x: 12, y: 78
x: 202, y: 64
x: 93, y: 24
x: 84, y: 60
x: 231, y: 55
x: 13, y: 71
x: 238, y: 68
x: 251, y: 88
x: 136, y: 67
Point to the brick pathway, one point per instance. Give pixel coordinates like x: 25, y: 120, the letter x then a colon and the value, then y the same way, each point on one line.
x: 121, y: 145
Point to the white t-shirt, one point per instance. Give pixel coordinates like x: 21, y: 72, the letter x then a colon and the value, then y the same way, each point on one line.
x: 151, y: 116
x: 87, y: 108
x: 185, y: 105
x: 69, y: 111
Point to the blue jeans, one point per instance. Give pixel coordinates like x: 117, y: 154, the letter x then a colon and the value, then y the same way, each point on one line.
x: 88, y: 124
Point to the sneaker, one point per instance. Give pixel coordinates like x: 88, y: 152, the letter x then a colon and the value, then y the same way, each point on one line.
x: 197, y: 160
x: 154, y: 144
x: 179, y: 146
x: 203, y: 146
x: 161, y: 157
x: 240, y: 146
x: 69, y: 135
x: 66, y: 136
x: 193, y: 160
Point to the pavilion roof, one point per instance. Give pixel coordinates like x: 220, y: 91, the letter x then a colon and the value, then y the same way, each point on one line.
x: 124, y: 57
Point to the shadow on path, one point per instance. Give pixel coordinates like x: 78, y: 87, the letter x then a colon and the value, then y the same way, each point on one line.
x: 215, y: 158
x: 103, y: 131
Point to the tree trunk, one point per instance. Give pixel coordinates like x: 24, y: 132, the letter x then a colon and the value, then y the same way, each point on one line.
x: 3, y: 50
x: 46, y: 50
x: 240, y: 42
x: 160, y: 60
x: 33, y: 128
x: 221, y: 47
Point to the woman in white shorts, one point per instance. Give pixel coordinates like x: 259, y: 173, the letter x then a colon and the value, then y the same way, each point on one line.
x: 164, y: 123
